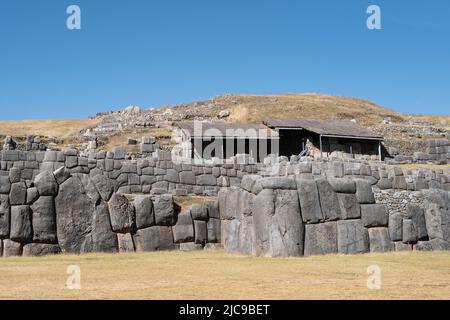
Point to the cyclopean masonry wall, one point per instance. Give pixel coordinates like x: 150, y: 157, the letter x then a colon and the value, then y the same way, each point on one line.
x: 335, y: 207
x: 53, y: 202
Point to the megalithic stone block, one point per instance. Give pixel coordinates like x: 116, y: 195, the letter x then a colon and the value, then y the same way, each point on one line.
x: 321, y: 238
x: 21, y: 230
x: 309, y: 201
x: 353, y: 237
x: 329, y: 201
x: 380, y: 241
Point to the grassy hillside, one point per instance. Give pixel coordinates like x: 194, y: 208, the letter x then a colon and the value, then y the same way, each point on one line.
x: 254, y: 108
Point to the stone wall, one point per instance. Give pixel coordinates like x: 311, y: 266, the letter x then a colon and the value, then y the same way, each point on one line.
x: 302, y: 215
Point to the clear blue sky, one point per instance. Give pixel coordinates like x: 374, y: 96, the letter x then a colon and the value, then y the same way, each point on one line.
x: 159, y: 52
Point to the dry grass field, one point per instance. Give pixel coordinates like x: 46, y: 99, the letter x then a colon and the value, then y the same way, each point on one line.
x: 61, y: 128
x: 217, y: 275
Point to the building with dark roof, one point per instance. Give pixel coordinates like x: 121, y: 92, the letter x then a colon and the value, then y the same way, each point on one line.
x: 325, y: 138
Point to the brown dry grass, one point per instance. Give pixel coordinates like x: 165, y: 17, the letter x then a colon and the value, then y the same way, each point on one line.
x: 61, y: 128
x: 118, y: 140
x: 216, y: 275
x: 185, y: 202
x: 255, y: 108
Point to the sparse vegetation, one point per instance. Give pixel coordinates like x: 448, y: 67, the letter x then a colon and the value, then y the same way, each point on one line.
x: 216, y: 275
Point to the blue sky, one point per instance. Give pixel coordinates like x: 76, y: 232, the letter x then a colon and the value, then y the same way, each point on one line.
x: 154, y: 52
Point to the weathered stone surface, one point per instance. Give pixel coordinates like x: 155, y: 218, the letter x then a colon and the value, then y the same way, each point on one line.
x: 40, y: 249
x: 190, y: 246
x: 278, y: 226
x: 187, y: 177
x: 199, y: 212
x: 214, y: 230
x: 400, y: 246
x: 309, y: 201
x: 12, y: 248
x: 379, y: 240
x: 237, y: 236
x: 342, y: 185
x: 395, y: 227
x: 350, y: 208
x: 283, y: 183
x: 104, y: 186
x: 352, y: 237
x: 5, y: 185
x: 21, y: 224
x: 61, y: 175
x: 46, y: 184
x: 409, y: 232
x: 321, y: 238
x: 364, y: 193
x: 399, y: 183
x: 18, y: 194
x: 82, y: 220
x: 200, y: 232
x: 44, y: 220
x: 328, y: 200
x: 125, y: 242
x: 374, y: 215
x: 417, y: 215
x: 122, y: 214
x: 154, y: 239
x: 145, y: 216
x: 213, y: 209
x: 32, y: 195
x: 183, y: 231
x: 164, y: 210
x: 14, y: 175
x: 235, y: 202
x: 4, y: 216
x: 437, y: 214
x: 248, y: 181
x: 206, y: 180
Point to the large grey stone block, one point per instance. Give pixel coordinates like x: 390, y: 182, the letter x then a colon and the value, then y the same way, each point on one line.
x: 353, y: 237
x: 12, y: 248
x: 200, y: 232
x: 380, y: 241
x: 44, y: 220
x: 321, y: 238
x: 155, y: 238
x: 122, y: 214
x: 199, y: 212
x: 409, y: 232
x: 164, y: 210
x: 125, y: 242
x: 342, y: 185
x: 214, y: 230
x: 5, y: 185
x: 328, y: 200
x: 395, y: 227
x: 364, y: 193
x: 4, y: 216
x: 417, y: 215
x: 349, y: 206
x: 18, y: 194
x: 40, y: 249
x: 374, y: 215
x: 183, y: 231
x: 309, y: 201
x: 145, y: 216
x: 21, y: 230
x: 46, y: 184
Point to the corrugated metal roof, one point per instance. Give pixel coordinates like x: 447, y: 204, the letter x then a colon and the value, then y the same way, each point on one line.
x: 344, y: 128
x: 235, y: 130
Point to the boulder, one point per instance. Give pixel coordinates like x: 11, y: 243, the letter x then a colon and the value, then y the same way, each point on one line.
x: 44, y: 220
x: 284, y: 183
x: 155, y: 238
x: 122, y: 214
x: 277, y: 223
x: 40, y: 249
x: 5, y: 185
x: 328, y: 200
x: 164, y: 210
x: 374, y: 215
x: 379, y: 240
x: 12, y: 248
x: 145, y: 216
x: 4, y: 216
x: 349, y: 206
x: 104, y: 186
x: 364, y: 193
x: 21, y: 230
x: 18, y: 194
x: 409, y: 232
x: 342, y: 185
x: 183, y: 231
x: 199, y: 212
x: 395, y: 227
x: 200, y: 232
x: 309, y: 201
x: 46, y: 184
x: 214, y: 230
x: 125, y: 242
x: 352, y: 237
x: 321, y: 238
